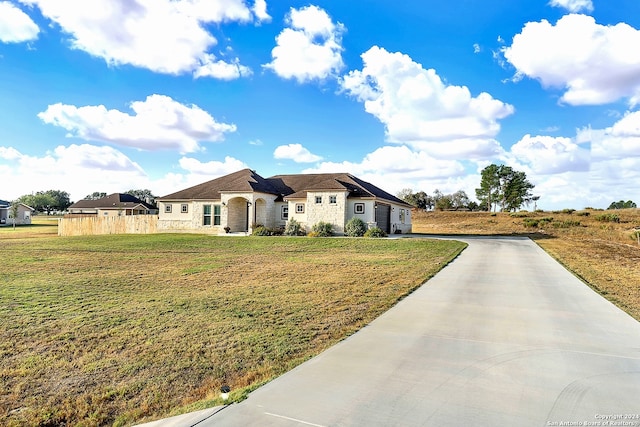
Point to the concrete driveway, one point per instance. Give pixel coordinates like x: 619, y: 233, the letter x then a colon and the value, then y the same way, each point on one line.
x: 503, y: 336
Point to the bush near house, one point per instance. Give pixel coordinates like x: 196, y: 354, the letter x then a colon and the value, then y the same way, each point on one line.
x: 321, y: 229
x: 294, y: 228
x: 355, y: 227
x: 375, y: 232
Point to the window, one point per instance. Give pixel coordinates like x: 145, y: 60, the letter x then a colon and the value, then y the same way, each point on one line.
x: 299, y: 207
x: 402, y: 216
x: 206, y: 215
x: 167, y: 208
x: 184, y: 208
x: 216, y: 215
x: 358, y: 208
x: 318, y: 199
x: 333, y: 200
x: 285, y: 213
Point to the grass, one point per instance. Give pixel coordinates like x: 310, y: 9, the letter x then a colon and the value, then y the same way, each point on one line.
x: 599, y: 247
x: 116, y: 330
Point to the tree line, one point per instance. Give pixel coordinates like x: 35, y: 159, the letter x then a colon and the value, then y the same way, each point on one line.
x: 500, y: 187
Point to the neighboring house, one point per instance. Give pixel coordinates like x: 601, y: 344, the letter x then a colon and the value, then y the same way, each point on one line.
x: 244, y: 199
x: 24, y: 214
x: 116, y: 204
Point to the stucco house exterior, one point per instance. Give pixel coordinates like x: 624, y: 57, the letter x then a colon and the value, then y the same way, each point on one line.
x: 244, y: 199
x: 115, y: 204
x: 24, y: 214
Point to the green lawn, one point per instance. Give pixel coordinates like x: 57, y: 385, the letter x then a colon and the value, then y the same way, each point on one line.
x: 118, y: 329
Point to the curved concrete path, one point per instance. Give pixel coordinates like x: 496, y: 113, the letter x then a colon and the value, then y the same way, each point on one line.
x: 503, y: 336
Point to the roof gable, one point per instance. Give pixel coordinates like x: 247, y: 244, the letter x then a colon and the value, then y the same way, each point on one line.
x: 244, y: 180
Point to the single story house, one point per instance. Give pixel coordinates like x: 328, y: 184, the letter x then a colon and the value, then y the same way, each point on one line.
x: 241, y: 200
x: 115, y: 204
x: 24, y: 214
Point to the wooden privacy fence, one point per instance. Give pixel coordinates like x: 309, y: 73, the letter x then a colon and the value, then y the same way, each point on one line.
x: 132, y: 224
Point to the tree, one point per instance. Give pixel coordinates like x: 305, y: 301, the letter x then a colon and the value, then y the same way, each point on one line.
x: 516, y: 189
x: 622, y: 205
x: 420, y: 200
x: 489, y: 190
x: 504, y: 186
x: 145, y: 195
x: 61, y: 200
x: 95, y: 196
x: 13, y: 211
x: 459, y: 200
x: 39, y: 201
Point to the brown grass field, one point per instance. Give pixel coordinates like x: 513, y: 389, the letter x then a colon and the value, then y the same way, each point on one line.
x: 603, y: 253
x: 116, y: 330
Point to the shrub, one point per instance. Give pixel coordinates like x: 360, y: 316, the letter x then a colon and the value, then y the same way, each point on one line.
x: 608, y: 218
x: 531, y: 223
x: 322, y: 229
x: 294, y: 228
x: 583, y: 213
x: 568, y: 211
x: 521, y: 214
x: 261, y: 230
x: 355, y: 227
x: 375, y: 232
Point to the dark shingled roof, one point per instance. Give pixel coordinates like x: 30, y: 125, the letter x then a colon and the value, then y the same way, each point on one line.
x: 244, y: 180
x: 289, y: 186
x: 300, y: 185
x: 4, y: 204
x: 115, y: 200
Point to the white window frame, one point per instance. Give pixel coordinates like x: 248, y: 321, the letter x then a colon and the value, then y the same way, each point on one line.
x: 184, y: 208
x: 206, y: 215
x: 358, y: 208
x: 284, y: 212
x: 318, y: 200
x: 168, y: 207
x: 333, y: 200
x: 300, y: 208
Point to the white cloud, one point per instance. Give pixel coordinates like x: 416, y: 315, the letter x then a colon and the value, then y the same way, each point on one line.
x: 196, y: 172
x: 595, y: 64
x: 573, y: 5
x: 476, y: 48
x: 159, y: 123
x: 15, y: 25
x: 295, y: 152
x: 418, y: 109
x: 618, y: 142
x: 260, y: 10
x: 550, y: 155
x: 211, y: 67
x: 163, y: 36
x: 77, y: 169
x: 216, y: 168
x: 393, y: 168
x: 310, y: 49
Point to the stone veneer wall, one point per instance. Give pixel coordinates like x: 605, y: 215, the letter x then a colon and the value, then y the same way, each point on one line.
x: 334, y: 213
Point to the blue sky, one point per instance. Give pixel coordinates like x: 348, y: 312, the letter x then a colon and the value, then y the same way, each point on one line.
x: 112, y: 95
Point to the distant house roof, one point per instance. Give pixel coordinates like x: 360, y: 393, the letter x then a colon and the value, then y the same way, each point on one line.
x: 5, y: 205
x: 286, y: 186
x: 112, y: 201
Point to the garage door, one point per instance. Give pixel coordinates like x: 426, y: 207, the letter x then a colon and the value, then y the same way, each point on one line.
x: 383, y: 217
